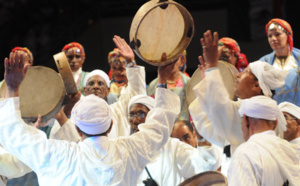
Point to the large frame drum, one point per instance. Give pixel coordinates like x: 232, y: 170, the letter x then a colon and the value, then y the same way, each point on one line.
x: 41, y: 92
x: 161, y: 26
x: 228, y: 73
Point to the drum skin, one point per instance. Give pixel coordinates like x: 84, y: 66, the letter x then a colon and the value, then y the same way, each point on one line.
x: 228, y: 73
x: 208, y: 178
x: 161, y: 27
x: 65, y: 71
x: 41, y: 92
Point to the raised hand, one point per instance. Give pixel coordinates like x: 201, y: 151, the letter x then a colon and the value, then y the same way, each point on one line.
x: 15, y: 71
x: 124, y: 49
x: 209, y: 44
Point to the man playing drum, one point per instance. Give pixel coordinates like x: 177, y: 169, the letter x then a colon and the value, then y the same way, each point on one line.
x: 97, y: 159
x: 224, y: 122
x: 97, y: 83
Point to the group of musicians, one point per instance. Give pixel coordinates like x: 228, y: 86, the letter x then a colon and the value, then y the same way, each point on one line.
x: 115, y: 131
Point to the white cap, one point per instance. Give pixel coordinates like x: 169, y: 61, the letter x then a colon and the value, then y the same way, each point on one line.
x: 92, y: 115
x: 142, y: 99
x: 262, y: 107
x: 100, y: 73
x: 269, y: 78
x: 290, y: 108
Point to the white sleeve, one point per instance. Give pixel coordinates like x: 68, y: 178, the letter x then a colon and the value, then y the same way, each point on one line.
x: 67, y: 132
x: 221, y: 111
x: 155, y: 132
x: 10, y: 166
x: 190, y: 161
x: 204, y: 126
x: 136, y: 85
x: 213, y: 153
x: 27, y: 143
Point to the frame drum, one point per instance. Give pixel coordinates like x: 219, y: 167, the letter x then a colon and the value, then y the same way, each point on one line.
x: 208, y: 178
x: 161, y: 26
x: 41, y: 92
x: 228, y: 73
x: 64, y: 69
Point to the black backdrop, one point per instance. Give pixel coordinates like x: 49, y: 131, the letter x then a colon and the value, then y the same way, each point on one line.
x: 46, y: 26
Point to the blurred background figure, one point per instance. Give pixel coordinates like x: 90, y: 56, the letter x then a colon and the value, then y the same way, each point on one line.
x: 231, y: 53
x: 117, y: 71
x: 76, y: 56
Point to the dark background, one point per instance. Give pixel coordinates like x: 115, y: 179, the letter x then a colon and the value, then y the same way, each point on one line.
x: 45, y: 26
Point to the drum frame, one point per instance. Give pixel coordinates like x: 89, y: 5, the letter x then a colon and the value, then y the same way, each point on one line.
x: 135, y: 43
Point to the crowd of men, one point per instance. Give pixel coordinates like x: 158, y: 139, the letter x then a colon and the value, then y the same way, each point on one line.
x: 117, y: 131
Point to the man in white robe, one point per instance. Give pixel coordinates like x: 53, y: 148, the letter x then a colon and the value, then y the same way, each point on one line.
x: 65, y: 129
x: 292, y: 115
x: 222, y: 124
x: 264, y: 159
x: 97, y: 160
x: 176, y: 161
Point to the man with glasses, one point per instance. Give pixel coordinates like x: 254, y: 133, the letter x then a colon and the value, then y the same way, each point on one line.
x: 292, y: 114
x: 176, y: 160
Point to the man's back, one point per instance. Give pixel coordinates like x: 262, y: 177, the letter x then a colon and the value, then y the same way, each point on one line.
x: 264, y: 160
x: 96, y: 160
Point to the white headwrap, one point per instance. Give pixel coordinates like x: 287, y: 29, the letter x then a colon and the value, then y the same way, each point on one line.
x: 92, y: 115
x: 290, y: 108
x: 100, y: 73
x: 262, y: 107
x: 269, y: 78
x: 142, y: 99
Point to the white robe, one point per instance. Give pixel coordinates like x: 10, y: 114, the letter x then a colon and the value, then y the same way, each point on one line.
x: 96, y: 160
x: 264, y: 160
x: 121, y: 127
x: 296, y: 143
x: 176, y: 162
x: 215, y: 115
x: 10, y: 166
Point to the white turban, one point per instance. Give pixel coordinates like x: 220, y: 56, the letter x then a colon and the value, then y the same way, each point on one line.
x: 262, y: 107
x: 142, y: 99
x: 92, y: 115
x: 290, y: 108
x: 269, y: 78
x: 100, y: 73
